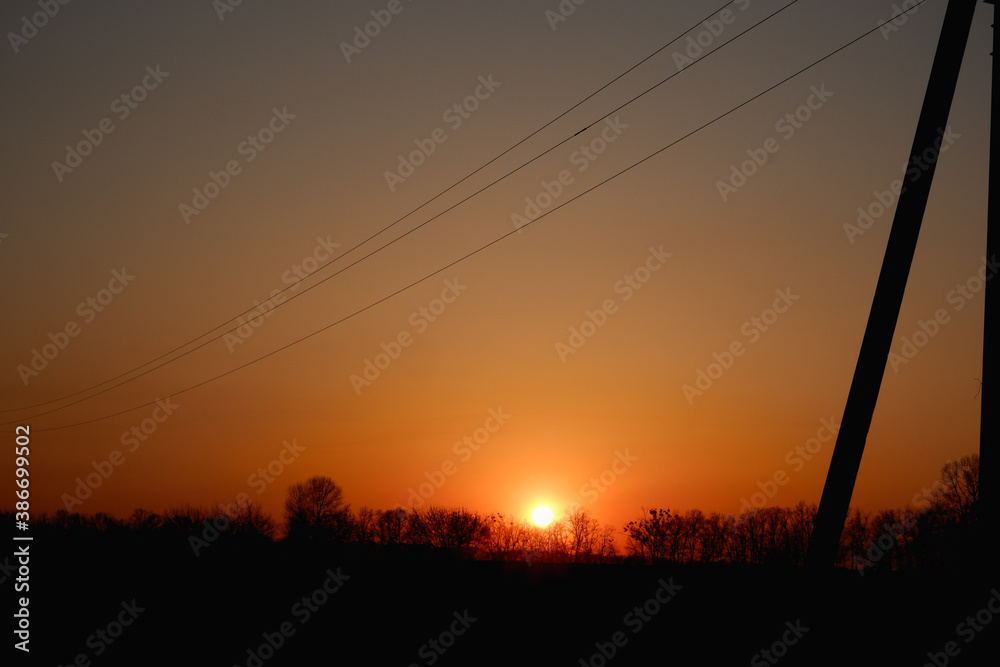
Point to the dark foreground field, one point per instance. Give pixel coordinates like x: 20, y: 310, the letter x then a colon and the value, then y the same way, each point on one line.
x: 229, y: 605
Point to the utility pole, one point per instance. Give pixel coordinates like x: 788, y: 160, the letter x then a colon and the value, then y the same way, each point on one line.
x: 989, y: 421
x: 824, y: 543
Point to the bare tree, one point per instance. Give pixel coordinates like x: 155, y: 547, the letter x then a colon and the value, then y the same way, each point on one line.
x: 693, y: 525
x: 507, y: 538
x: 144, y: 520
x: 390, y: 526
x: 315, y: 510
x: 958, y: 502
x: 607, y: 550
x: 650, y: 536
x: 251, y: 521
x: 365, y: 525
x: 551, y: 542
x: 713, y: 538
x: 459, y: 531
x: 800, y: 524
x: 584, y: 533
x: 106, y: 523
x: 185, y: 518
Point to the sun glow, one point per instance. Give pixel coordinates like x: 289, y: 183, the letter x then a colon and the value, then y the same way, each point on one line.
x: 542, y: 515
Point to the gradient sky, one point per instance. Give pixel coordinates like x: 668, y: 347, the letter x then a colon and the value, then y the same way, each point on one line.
x: 495, y: 346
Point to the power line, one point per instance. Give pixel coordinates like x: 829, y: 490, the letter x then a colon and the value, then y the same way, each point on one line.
x: 496, y: 240
x: 402, y: 236
x: 355, y: 247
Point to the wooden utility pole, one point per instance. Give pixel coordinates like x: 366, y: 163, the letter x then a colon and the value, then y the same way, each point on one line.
x: 835, y: 502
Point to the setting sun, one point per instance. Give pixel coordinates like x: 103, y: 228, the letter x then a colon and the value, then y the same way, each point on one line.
x: 542, y: 515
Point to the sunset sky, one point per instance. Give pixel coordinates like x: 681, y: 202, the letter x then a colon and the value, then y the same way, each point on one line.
x: 495, y: 385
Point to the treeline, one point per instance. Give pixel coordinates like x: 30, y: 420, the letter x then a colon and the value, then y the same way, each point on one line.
x: 937, y: 530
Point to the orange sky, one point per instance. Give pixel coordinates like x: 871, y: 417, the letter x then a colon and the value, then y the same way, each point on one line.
x: 607, y: 425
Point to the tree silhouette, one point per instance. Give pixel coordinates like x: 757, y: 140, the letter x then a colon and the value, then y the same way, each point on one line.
x: 584, y: 534
x: 457, y: 531
x: 649, y: 536
x: 606, y: 549
x: 315, y: 510
x: 925, y: 536
x: 959, y: 501
x: 250, y: 521
x: 144, y: 520
x: 507, y: 538
x: 391, y: 526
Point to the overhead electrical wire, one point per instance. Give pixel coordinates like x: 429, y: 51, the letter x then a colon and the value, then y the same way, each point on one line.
x: 491, y: 243
x: 386, y: 245
x: 370, y: 238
